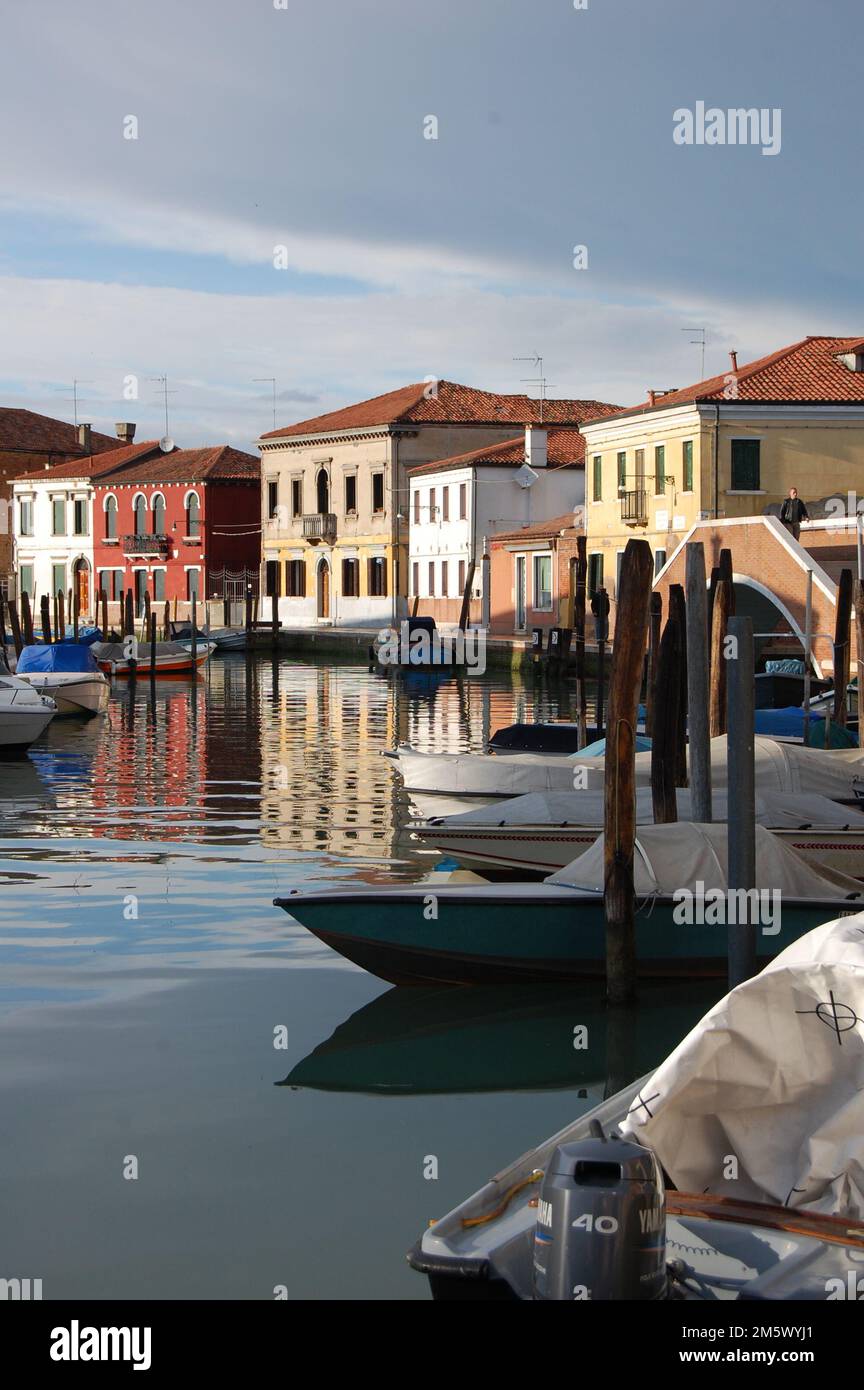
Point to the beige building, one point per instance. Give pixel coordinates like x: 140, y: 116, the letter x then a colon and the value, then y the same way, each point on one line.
x: 335, y: 493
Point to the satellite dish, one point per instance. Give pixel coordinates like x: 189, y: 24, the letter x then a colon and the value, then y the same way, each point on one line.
x: 525, y: 476
x: 166, y: 444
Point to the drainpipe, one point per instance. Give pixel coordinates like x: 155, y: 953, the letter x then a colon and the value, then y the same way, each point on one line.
x: 716, y: 461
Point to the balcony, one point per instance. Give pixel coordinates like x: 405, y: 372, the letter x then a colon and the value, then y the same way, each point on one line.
x: 634, y: 507
x: 147, y: 545
x: 320, y: 526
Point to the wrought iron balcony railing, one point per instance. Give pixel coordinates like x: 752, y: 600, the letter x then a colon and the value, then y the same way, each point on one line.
x: 634, y: 507
x: 146, y: 545
x: 320, y: 526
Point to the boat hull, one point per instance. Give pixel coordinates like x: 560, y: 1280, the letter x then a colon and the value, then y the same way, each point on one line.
x: 542, y: 933
x: 19, y: 728
x: 85, y: 695
x: 174, y: 665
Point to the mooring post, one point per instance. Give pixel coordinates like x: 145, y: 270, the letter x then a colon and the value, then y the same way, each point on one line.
x: 129, y: 615
x: 580, y: 578
x: 697, y: 683
x: 76, y: 615
x: 45, y: 607
x: 58, y: 635
x: 61, y: 615
x: 741, y: 745
x: 152, y: 636
x: 600, y: 609
x: 166, y: 622
x: 194, y: 633
x: 720, y: 620
x: 678, y: 608
x: 842, y: 629
x: 655, y: 621
x: 274, y: 619
x: 4, y: 650
x: 248, y: 616
x: 103, y: 604
x: 664, y: 740
x: 858, y: 600
x: 26, y: 619
x: 619, y: 821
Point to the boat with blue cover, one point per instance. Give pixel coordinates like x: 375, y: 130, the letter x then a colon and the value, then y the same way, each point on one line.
x: 68, y: 673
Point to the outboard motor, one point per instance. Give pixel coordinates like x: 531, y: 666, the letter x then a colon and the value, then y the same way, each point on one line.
x: 601, y: 1223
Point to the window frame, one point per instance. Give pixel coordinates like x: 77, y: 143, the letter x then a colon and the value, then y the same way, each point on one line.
x: 746, y: 439
x: 660, y: 469
x: 687, y: 465
x: 596, y: 477
x: 537, y: 592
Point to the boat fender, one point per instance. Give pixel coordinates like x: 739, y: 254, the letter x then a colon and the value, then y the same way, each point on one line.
x: 601, y: 1223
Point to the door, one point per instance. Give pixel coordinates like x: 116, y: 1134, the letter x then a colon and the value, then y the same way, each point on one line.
x: 323, y: 590
x: 521, y: 615
x: 83, y: 582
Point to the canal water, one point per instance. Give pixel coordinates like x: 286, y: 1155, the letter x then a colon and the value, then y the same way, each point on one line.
x: 199, y: 1099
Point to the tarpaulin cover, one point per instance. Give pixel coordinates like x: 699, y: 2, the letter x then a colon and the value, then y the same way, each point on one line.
x: 59, y: 656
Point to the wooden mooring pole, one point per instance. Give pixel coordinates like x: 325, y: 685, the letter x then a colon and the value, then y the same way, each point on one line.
x: 152, y: 635
x: 61, y: 615
x: 194, y: 632
x: 15, y: 626
x: 600, y: 609
x: 678, y: 609
x: 45, y: 607
x: 655, y: 622
x: 4, y: 650
x: 858, y: 601
x: 58, y: 635
x: 742, y: 801
x: 580, y: 576
x: 697, y: 683
x: 26, y: 619
x: 667, y: 718
x: 842, y: 631
x: 720, y: 619
x: 619, y: 822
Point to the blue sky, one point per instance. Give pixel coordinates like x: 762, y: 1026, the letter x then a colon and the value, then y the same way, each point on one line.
x: 303, y: 128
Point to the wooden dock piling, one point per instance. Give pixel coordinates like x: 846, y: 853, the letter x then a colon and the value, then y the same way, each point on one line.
x: 61, y: 614
x: 742, y: 798
x: 15, y: 627
x: 76, y: 615
x: 4, y: 650
x: 698, y: 683
x: 45, y: 608
x: 152, y: 636
x: 720, y: 619
x: 26, y: 619
x: 194, y: 631
x: 600, y: 609
x: 655, y: 622
x: 678, y: 609
x: 580, y: 577
x: 619, y: 824
x: 858, y: 602
x: 103, y: 601
x: 667, y: 714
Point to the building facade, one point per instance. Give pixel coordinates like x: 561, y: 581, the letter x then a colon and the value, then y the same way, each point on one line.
x: 531, y: 576
x: 336, y: 497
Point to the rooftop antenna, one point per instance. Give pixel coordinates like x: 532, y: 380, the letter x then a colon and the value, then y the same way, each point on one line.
x: 76, y: 399
x: 272, y: 381
x: 698, y: 342
x: 163, y: 383
x: 539, y: 380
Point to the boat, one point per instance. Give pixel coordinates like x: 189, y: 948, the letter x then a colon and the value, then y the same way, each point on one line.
x: 172, y: 658
x: 24, y: 713
x: 764, y: 1077
x: 69, y: 674
x: 419, y: 644
x: 491, y: 933
x: 225, y: 639
x: 783, y: 767
x: 535, y: 834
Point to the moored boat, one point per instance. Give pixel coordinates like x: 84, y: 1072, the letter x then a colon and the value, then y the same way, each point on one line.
x: 24, y: 713
x: 69, y: 674
x: 172, y: 658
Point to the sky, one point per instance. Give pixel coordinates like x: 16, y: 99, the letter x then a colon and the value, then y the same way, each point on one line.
x: 281, y: 211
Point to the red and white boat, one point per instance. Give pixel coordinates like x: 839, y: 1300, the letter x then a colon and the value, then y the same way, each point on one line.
x: 172, y: 658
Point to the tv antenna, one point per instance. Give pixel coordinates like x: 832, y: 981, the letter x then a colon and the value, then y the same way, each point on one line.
x: 272, y: 381
x: 162, y: 382
x: 698, y: 342
x: 75, y: 398
x: 539, y: 380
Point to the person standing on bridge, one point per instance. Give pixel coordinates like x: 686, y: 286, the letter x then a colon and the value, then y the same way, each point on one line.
x: 793, y: 512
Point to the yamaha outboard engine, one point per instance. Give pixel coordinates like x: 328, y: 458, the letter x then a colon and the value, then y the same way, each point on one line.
x: 601, y: 1223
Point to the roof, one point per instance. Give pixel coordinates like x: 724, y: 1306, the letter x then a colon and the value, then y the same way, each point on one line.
x: 220, y: 462
x: 806, y: 372
x: 565, y: 448
x: 90, y: 466
x: 40, y: 434
x: 539, y: 530
x: 447, y: 403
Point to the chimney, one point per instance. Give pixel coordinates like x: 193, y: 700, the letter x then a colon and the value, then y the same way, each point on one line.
x: 84, y: 437
x: 125, y: 430
x: 535, y: 446
x: 652, y: 396
x: 733, y: 357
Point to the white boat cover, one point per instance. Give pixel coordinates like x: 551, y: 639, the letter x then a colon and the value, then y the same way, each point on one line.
x: 837, y: 773
x: 776, y: 810
x: 669, y: 858
x: 763, y: 1100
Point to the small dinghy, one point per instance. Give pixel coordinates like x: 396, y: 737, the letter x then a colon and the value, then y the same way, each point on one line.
x: 638, y: 1199
x: 69, y: 674
x: 492, y: 933
x: 24, y: 713
x: 172, y: 658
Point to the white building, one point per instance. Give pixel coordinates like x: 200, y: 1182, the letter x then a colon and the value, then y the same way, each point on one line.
x: 457, y: 504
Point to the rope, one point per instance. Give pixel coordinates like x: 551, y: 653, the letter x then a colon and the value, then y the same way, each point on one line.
x: 493, y: 1215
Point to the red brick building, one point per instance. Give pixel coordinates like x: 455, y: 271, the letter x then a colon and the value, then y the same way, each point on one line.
x: 531, y: 576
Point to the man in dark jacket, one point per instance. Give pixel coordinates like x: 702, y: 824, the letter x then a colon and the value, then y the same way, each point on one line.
x: 793, y: 512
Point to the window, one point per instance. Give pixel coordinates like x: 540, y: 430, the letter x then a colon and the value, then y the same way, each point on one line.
x: 272, y: 497
x: 745, y: 465
x: 415, y: 577
x: 58, y: 516
x: 543, y: 583
x: 351, y: 578
x: 377, y: 492
x: 159, y: 586
x: 659, y: 469
x: 79, y: 517
x: 432, y: 517
x: 193, y: 517
x: 158, y: 515
x: 295, y: 578
x: 110, y: 518
x: 417, y: 507
x: 351, y: 494
x: 462, y: 577
x: 598, y: 477
x: 622, y: 469
x: 25, y: 516
x: 111, y: 584
x: 58, y: 579
x: 431, y: 578
x: 445, y: 501
x: 25, y: 580
x: 296, y: 496
x: 688, y: 465
x: 444, y: 578
x: 463, y: 501
x: 659, y: 561
x: 140, y: 590
x: 595, y: 573
x: 139, y: 511
x: 377, y: 572
x: 271, y: 578
x: 193, y: 584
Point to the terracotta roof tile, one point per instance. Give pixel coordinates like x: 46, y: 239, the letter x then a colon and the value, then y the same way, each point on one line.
x: 539, y: 529
x: 188, y: 466
x: 565, y: 448
x: 93, y: 466
x: 450, y: 404
x: 24, y: 429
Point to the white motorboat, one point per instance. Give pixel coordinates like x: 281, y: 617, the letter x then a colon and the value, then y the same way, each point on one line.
x: 24, y: 713
x: 74, y: 692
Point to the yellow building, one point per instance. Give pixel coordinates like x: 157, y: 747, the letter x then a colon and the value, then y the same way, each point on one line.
x: 335, y: 493
x: 730, y: 446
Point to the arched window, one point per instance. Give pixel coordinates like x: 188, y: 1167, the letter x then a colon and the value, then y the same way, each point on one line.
x: 110, y: 518
x: 322, y: 484
x: 158, y: 504
x: 193, y: 514
x: 139, y: 509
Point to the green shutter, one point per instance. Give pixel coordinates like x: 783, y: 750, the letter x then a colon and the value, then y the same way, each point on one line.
x: 745, y: 465
x: 622, y: 469
x: 598, y: 477
x: 688, y: 465
x: 659, y: 469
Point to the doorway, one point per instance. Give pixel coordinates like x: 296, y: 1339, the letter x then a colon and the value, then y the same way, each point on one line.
x: 82, y: 585
x: 323, y: 589
x: 521, y: 613
x: 323, y: 492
